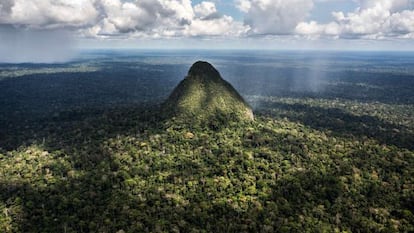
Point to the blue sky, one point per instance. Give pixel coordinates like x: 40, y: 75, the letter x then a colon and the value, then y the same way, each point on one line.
x: 322, y: 10
x: 226, y: 7
x: 211, y: 24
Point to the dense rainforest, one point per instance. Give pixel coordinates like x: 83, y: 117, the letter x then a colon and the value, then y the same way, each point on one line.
x: 311, y: 161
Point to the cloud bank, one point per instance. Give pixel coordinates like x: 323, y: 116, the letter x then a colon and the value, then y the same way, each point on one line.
x: 116, y: 18
x: 274, y: 16
x: 372, y: 19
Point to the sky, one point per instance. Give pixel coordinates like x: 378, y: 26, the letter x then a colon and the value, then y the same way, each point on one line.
x: 41, y: 26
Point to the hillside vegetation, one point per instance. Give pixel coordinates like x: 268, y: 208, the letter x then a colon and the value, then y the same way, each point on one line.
x: 122, y: 169
x: 73, y: 161
x: 204, y: 95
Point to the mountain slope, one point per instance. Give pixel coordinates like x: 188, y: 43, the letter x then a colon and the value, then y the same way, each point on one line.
x: 204, y: 94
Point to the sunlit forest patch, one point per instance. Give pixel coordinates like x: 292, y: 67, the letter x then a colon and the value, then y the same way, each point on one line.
x: 93, y: 152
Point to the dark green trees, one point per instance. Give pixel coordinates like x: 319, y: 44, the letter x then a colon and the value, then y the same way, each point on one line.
x: 204, y: 95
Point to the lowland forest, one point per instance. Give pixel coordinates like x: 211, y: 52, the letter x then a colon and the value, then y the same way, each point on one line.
x: 94, y: 145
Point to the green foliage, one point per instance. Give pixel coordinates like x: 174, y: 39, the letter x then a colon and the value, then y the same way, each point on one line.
x: 126, y: 171
x: 203, y: 95
x: 333, y: 159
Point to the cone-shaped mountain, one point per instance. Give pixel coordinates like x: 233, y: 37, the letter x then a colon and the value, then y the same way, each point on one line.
x: 204, y: 94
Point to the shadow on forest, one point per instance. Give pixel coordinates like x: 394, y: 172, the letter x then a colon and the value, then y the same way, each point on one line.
x: 94, y: 195
x: 84, y: 205
x: 101, y: 199
x: 343, y: 124
x: 88, y: 202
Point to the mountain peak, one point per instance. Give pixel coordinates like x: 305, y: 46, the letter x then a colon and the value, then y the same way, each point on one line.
x: 203, y: 69
x: 205, y: 95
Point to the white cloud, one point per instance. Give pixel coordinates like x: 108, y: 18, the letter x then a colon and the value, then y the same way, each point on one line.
x: 48, y: 14
x: 179, y: 18
x: 124, y: 17
x: 182, y: 11
x: 392, y: 5
x: 223, y: 26
x: 121, y: 18
x: 402, y: 22
x: 274, y: 16
x: 165, y: 18
x: 374, y: 19
x: 243, y: 5
x: 205, y: 9
x: 5, y: 7
x: 313, y: 28
x: 209, y: 22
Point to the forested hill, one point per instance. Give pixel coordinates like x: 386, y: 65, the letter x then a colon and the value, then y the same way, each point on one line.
x: 204, y: 95
x: 90, y: 151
